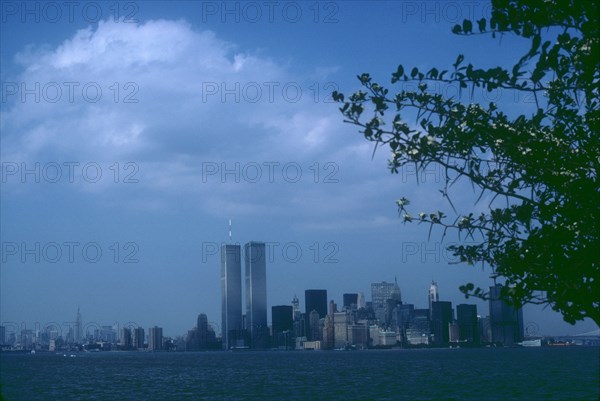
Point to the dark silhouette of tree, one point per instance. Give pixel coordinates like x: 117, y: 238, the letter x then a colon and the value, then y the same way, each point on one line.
x: 540, y: 229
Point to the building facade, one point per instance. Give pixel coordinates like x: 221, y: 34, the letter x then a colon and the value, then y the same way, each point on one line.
x: 314, y: 300
x: 231, y: 296
x: 155, y: 339
x: 506, y: 321
x: 384, y: 295
x: 282, y: 325
x: 256, y: 294
x: 466, y: 316
x: 441, y: 317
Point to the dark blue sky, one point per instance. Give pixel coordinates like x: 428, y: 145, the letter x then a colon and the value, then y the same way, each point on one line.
x: 164, y: 128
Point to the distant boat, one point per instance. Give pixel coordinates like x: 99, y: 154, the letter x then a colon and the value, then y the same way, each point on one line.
x: 531, y: 343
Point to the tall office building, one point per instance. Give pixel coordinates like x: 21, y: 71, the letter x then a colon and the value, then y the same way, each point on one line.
x: 155, y: 338
x: 360, y: 300
x: 296, y: 313
x: 231, y: 296
x: 506, y: 320
x: 78, y: 328
x: 350, y: 299
x: 282, y: 316
x: 441, y: 317
x: 202, y: 331
x: 468, y: 325
x: 138, y: 338
x: 380, y: 294
x: 125, y: 339
x: 314, y: 300
x: 433, y: 296
x: 256, y: 294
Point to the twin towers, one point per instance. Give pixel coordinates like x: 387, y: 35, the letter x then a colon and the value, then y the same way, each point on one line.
x: 251, y: 330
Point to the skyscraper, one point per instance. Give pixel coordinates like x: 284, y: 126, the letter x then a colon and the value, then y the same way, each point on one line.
x: 441, y: 317
x: 314, y: 300
x: 350, y: 299
x: 296, y: 314
x: 256, y: 294
x: 433, y: 296
x: 202, y: 331
x: 138, y: 338
x: 468, y: 325
x: 78, y: 328
x: 125, y: 339
x: 155, y: 338
x: 380, y: 294
x: 282, y: 316
x: 231, y: 295
x: 506, y: 320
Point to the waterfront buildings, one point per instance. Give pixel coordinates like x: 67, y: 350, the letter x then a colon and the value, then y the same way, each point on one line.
x: 433, y: 296
x: 468, y: 326
x: 155, y: 339
x: 314, y: 300
x: 282, y: 325
x: 256, y: 294
x: 231, y: 296
x: 441, y: 317
x: 385, y: 296
x: 506, y: 321
x: 138, y: 338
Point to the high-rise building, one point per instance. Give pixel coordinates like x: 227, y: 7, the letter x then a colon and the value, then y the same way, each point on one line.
x: 340, y: 329
x: 125, y: 340
x: 316, y: 333
x: 350, y: 299
x: 2, y: 335
x: 282, y: 317
x: 419, y: 328
x: 78, y: 328
x: 328, y: 332
x: 380, y: 294
x: 231, y: 296
x: 296, y: 312
x: 506, y: 320
x: 138, y: 338
x: 433, y: 296
x: 155, y: 338
x: 203, y: 332
x: 314, y: 300
x: 360, y: 300
x: 441, y: 317
x: 256, y: 294
x: 466, y: 316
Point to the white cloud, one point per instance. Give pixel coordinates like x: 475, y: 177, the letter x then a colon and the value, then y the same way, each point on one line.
x: 172, y: 98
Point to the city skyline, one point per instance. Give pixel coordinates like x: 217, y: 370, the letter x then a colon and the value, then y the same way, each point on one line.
x: 119, y: 176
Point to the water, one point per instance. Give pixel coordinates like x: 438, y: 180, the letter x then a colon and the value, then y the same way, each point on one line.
x: 429, y: 374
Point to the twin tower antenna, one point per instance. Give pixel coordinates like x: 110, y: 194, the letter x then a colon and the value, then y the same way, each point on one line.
x: 229, y: 230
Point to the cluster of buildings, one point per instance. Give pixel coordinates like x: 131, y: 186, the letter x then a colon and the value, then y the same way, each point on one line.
x: 356, y: 323
x: 382, y: 322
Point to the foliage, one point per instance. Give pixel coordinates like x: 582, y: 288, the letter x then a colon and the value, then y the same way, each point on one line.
x: 540, y: 230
